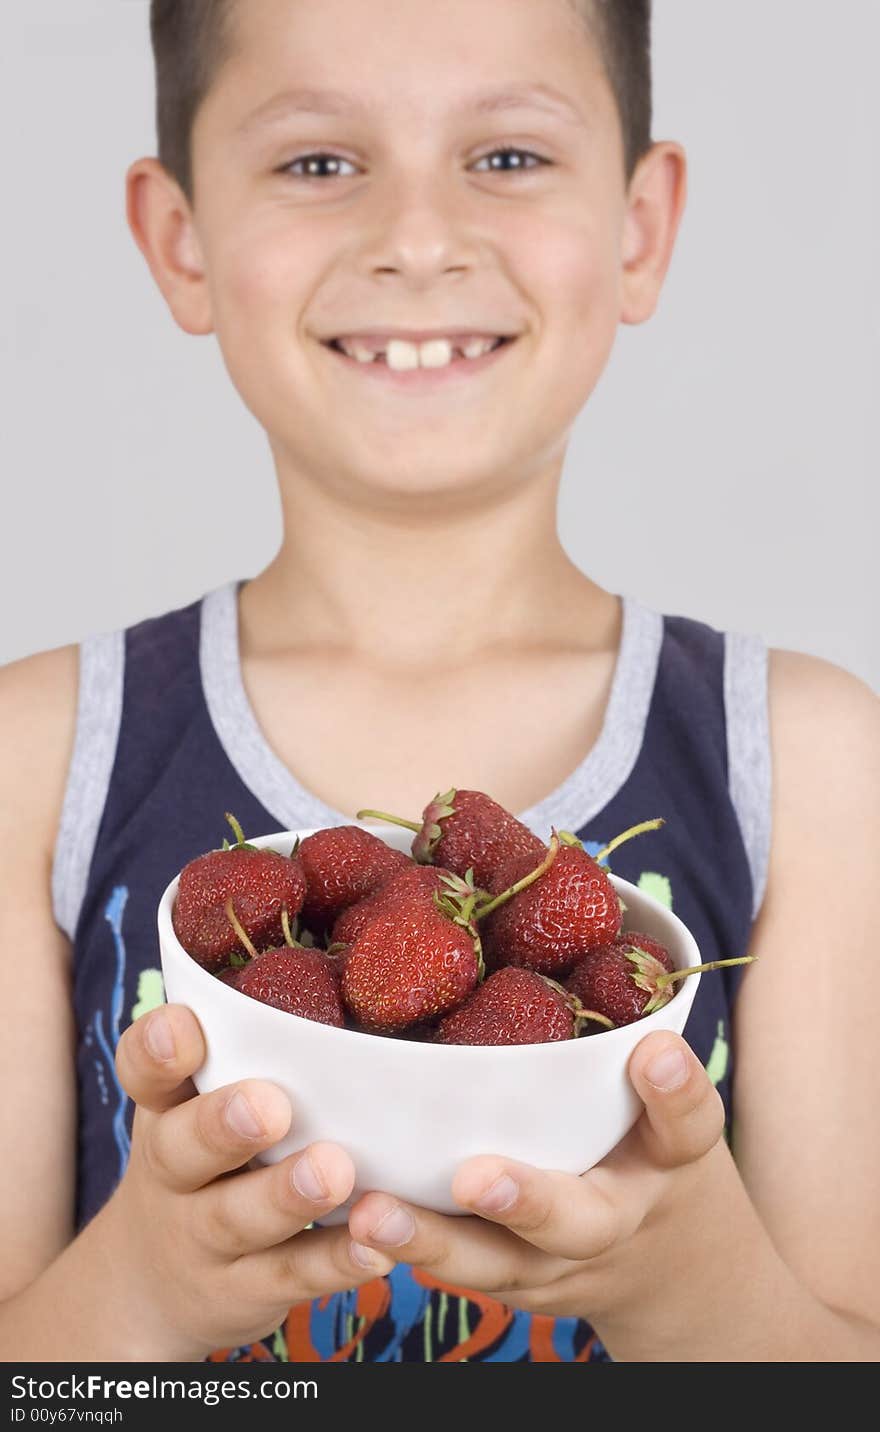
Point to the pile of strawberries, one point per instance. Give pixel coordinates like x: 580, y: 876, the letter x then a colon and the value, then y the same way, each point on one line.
x: 485, y: 935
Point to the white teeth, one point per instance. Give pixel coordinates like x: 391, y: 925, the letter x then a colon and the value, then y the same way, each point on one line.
x: 476, y: 347
x: 402, y: 356
x: 358, y: 351
x: 436, y: 353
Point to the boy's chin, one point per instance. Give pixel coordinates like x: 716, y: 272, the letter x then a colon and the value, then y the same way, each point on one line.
x: 418, y: 489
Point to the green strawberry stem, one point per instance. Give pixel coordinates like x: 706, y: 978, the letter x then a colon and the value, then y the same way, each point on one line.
x: 502, y: 899
x: 666, y: 979
x: 240, y: 842
x: 391, y: 819
x: 581, y: 1015
x: 285, y: 925
x: 478, y: 951
x: 239, y: 928
x: 627, y: 835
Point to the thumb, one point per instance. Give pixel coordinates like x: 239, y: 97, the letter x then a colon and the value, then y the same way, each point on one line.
x: 684, y: 1113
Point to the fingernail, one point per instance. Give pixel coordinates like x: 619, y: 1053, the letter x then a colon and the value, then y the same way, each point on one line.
x: 667, y: 1070
x: 501, y: 1194
x: 362, y: 1255
x: 241, y: 1118
x: 306, y: 1181
x: 159, y: 1037
x: 395, y: 1228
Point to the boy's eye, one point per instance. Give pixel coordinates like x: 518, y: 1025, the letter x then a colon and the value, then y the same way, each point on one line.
x: 312, y: 163
x: 515, y: 154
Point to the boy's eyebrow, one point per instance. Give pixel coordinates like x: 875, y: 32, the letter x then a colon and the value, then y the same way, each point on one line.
x: 336, y: 102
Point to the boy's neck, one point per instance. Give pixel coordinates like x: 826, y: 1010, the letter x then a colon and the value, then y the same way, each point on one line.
x: 422, y: 589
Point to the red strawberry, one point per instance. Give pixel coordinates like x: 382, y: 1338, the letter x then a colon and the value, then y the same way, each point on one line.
x: 293, y: 978
x: 353, y: 921
x: 297, y: 980
x: 646, y: 943
x: 619, y: 980
x: 410, y: 964
x: 467, y: 830
x: 260, y: 881
x: 570, y: 909
x: 625, y: 981
x: 342, y: 864
x: 514, y: 1007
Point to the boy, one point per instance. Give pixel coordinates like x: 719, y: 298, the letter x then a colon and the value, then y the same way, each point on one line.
x: 481, y: 170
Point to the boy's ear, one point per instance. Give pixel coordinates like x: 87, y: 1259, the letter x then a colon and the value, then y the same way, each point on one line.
x: 161, y: 222
x: 655, y: 203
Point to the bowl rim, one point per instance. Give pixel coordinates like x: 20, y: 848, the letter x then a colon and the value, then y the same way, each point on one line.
x: 169, y: 944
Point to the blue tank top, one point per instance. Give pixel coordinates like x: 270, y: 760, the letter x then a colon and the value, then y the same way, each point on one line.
x: 166, y: 741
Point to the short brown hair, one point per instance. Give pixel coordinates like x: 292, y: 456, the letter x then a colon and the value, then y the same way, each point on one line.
x: 192, y: 40
x: 622, y: 29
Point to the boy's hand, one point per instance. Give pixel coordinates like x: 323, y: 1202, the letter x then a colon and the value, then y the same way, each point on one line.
x: 215, y: 1257
x: 592, y: 1246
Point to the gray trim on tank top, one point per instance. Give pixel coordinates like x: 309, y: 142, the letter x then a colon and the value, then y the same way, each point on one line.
x: 98, y: 719
x: 576, y: 801
x: 749, y: 774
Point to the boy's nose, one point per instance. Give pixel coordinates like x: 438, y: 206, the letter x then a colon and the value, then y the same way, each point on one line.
x: 421, y: 233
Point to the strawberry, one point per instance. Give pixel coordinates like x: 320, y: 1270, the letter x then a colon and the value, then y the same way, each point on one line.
x: 421, y: 956
x: 648, y: 944
x: 261, y: 881
x: 293, y: 978
x: 467, y: 830
x: 297, y: 980
x: 627, y: 981
x: 342, y: 864
x: 353, y: 921
x: 619, y: 980
x: 411, y: 963
x: 515, y: 1006
x: 545, y: 928
x: 571, y: 909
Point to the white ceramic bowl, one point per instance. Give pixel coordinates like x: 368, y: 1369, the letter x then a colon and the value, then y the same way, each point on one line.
x: 409, y: 1113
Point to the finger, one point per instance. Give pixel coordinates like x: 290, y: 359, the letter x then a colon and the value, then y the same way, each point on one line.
x: 312, y: 1265
x: 157, y: 1054
x: 260, y: 1209
x: 684, y: 1113
x: 569, y: 1216
x: 465, y: 1251
x: 214, y: 1133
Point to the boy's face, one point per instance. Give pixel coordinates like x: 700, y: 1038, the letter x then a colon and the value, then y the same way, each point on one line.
x: 410, y: 224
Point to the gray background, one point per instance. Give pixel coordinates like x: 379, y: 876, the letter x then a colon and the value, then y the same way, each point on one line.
x: 728, y: 450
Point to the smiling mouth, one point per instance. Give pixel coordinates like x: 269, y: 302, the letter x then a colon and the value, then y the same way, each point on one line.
x: 420, y: 364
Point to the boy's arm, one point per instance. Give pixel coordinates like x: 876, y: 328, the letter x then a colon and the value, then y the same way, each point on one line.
x: 38, y: 696
x: 806, y: 1136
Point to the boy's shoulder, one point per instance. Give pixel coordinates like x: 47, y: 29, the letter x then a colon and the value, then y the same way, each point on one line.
x: 38, y: 705
x: 825, y: 739
x: 817, y: 691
